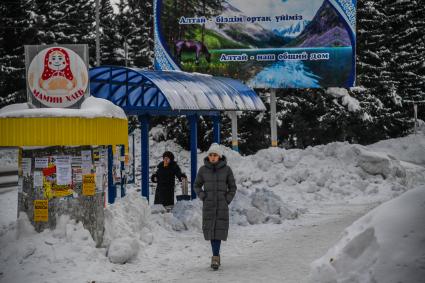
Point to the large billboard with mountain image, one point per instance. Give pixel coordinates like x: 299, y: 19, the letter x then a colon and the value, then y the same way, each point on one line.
x: 265, y: 43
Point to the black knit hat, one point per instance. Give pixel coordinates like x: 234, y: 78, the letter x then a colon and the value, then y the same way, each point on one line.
x: 168, y: 154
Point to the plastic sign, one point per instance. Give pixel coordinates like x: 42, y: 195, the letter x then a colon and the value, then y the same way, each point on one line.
x: 57, y: 77
x: 266, y: 44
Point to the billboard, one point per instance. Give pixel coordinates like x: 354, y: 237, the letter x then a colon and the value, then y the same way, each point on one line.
x: 57, y: 76
x: 266, y: 44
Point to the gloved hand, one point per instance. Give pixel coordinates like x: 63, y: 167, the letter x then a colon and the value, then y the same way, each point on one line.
x: 154, y: 178
x: 202, y: 195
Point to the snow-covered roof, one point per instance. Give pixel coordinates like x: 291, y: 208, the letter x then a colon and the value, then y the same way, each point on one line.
x: 136, y: 89
x: 92, y: 107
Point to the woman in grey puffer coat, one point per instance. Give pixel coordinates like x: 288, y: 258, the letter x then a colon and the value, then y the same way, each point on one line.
x: 219, y: 188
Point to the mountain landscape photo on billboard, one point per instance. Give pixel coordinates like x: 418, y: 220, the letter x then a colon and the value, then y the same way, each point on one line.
x: 202, y: 35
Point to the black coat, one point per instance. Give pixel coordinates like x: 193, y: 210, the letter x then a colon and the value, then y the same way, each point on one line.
x: 165, y: 177
x: 219, y: 189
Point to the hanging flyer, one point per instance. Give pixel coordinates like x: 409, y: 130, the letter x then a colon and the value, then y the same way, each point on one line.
x: 41, y: 162
x: 61, y: 190
x: 63, y: 170
x: 26, y: 167
x: 99, y: 178
x: 86, y: 162
x: 86, y: 156
x: 38, y: 179
x: 77, y: 175
x: 89, y: 184
x: 41, y: 211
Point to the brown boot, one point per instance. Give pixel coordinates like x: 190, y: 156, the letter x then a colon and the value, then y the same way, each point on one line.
x: 215, y: 262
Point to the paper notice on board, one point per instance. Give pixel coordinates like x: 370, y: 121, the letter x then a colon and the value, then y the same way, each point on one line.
x: 77, y: 175
x: 26, y: 166
x: 76, y: 161
x: 41, y: 162
x: 63, y: 170
x: 38, y: 179
x: 41, y: 211
x: 86, y: 168
x: 86, y: 156
x: 86, y: 162
x: 99, y: 178
x: 89, y: 185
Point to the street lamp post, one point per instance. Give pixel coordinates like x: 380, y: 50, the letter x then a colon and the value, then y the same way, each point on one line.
x: 126, y: 45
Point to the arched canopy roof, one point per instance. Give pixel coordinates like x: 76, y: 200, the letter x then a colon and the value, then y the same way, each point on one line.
x: 140, y: 91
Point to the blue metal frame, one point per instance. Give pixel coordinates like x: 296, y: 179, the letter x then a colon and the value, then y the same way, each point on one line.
x: 193, y: 120
x: 216, y: 129
x: 144, y: 127
x: 133, y: 151
x: 146, y: 93
x: 112, y: 191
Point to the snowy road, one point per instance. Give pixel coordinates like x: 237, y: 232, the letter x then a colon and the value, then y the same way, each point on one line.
x: 275, y: 253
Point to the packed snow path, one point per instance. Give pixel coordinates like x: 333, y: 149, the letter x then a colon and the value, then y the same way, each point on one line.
x: 275, y: 253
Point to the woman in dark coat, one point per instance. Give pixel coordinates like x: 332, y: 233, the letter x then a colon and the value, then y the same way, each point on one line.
x: 165, y: 177
x: 219, y: 189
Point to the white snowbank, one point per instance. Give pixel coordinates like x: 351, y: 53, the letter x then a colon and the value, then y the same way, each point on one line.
x: 385, y: 245
x: 336, y: 172
x: 410, y: 148
x: 92, y: 107
x: 126, y: 227
x: 27, y: 256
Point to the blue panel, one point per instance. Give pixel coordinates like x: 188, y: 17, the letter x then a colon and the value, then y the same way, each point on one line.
x: 193, y: 152
x: 112, y: 193
x: 144, y: 128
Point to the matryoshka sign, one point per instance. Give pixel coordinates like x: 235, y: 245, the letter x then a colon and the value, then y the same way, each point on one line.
x: 57, y: 76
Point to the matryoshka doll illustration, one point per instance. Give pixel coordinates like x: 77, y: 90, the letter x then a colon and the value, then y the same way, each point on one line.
x: 57, y: 76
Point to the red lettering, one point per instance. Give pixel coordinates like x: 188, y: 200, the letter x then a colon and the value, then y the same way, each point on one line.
x: 75, y: 95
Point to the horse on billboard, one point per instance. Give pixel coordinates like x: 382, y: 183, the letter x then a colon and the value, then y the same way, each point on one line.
x: 191, y: 46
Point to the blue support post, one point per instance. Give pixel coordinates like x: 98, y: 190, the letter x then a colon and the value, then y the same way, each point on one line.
x: 112, y: 193
x: 216, y: 131
x: 134, y: 161
x: 193, y: 120
x: 122, y: 167
x: 144, y: 128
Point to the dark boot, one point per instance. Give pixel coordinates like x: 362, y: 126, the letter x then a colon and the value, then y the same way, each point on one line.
x: 215, y: 262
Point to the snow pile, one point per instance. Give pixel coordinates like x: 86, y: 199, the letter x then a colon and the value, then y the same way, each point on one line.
x: 333, y: 172
x: 336, y: 172
x: 92, y: 107
x: 127, y: 227
x: 260, y: 206
x: 24, y: 252
x: 385, y: 245
x: 410, y: 148
x: 189, y: 213
x: 350, y: 102
x: 379, y: 164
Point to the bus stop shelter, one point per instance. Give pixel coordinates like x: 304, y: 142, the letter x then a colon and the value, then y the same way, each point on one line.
x: 147, y: 93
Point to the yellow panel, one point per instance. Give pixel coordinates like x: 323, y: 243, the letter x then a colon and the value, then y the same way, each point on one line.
x: 62, y: 131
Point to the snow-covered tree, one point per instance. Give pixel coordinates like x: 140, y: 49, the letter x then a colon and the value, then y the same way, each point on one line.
x: 16, y: 23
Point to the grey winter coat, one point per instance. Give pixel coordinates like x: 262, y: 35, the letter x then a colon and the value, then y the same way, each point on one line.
x: 219, y: 188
